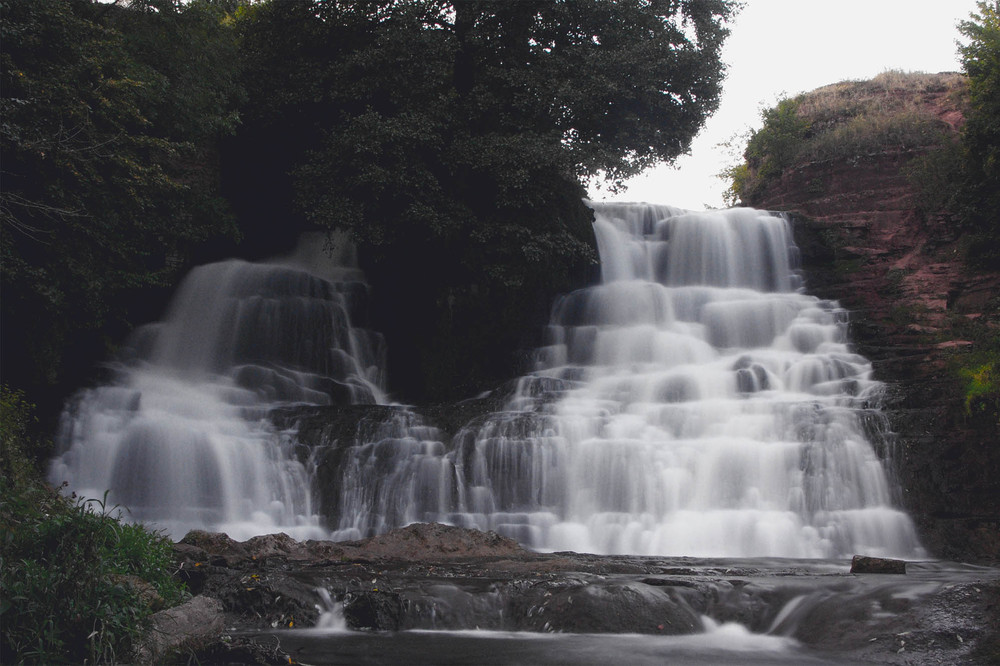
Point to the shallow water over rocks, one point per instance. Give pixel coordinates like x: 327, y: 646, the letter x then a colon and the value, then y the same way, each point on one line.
x: 438, y: 594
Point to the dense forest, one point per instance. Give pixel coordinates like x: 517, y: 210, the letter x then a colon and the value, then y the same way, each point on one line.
x: 451, y: 140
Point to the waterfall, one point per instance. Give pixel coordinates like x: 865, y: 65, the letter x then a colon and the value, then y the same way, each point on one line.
x: 180, y: 437
x: 695, y: 402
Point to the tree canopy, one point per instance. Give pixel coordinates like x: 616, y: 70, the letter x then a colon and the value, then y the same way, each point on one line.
x: 981, y: 138
x: 107, y: 174
x: 450, y: 139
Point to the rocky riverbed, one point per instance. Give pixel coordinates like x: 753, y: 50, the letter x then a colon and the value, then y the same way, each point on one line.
x: 438, y: 594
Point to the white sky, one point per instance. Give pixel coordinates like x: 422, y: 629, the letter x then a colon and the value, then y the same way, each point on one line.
x: 781, y: 48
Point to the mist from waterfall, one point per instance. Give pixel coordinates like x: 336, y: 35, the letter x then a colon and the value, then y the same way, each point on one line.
x: 181, y: 437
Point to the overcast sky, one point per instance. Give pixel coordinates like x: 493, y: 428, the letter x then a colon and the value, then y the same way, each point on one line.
x: 785, y: 47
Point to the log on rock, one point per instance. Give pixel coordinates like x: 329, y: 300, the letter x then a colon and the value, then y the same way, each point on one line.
x: 862, y: 564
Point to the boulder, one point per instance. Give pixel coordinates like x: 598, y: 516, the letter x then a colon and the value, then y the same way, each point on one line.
x: 190, y: 627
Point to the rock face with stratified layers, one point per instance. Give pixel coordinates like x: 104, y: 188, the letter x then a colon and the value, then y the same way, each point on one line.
x: 919, y: 309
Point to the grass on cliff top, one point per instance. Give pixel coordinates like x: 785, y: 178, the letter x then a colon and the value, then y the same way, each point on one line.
x: 77, y: 585
x: 846, y: 120
x: 889, y: 112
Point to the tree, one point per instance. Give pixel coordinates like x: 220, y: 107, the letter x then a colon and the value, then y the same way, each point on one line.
x: 452, y: 140
x: 981, y: 138
x: 104, y: 190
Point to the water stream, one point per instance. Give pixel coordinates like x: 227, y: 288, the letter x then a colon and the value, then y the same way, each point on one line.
x: 695, y: 402
x: 181, y: 437
x: 668, y: 610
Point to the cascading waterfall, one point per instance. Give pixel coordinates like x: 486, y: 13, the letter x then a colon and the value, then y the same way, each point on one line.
x: 695, y: 402
x: 181, y: 439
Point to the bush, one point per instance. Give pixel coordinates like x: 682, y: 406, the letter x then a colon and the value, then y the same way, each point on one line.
x: 76, y: 583
x: 19, y: 452
x: 843, y: 121
x: 982, y: 390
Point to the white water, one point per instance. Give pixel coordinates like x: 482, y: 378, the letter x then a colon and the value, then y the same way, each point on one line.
x: 180, y: 437
x: 331, y: 614
x: 696, y: 402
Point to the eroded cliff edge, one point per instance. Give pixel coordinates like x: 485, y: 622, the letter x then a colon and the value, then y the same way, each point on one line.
x: 921, y: 308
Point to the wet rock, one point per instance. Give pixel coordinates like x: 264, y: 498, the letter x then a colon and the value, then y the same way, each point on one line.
x: 605, y: 608
x: 242, y: 650
x: 861, y: 564
x: 383, y: 584
x: 146, y: 592
x: 274, y: 545
x: 264, y: 597
x: 221, y: 549
x: 192, y: 564
x: 433, y: 541
x: 375, y: 610
x: 190, y: 627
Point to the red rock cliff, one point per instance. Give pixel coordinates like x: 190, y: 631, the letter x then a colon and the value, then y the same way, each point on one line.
x: 919, y: 311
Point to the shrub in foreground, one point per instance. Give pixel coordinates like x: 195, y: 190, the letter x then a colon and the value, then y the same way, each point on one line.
x: 77, y: 584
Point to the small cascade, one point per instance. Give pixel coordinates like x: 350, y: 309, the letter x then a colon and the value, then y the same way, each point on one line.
x: 180, y: 437
x: 395, y: 472
x: 331, y: 613
x: 695, y: 402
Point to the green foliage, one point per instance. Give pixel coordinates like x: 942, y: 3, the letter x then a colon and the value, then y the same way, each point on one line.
x: 981, y: 137
x: 962, y: 177
x: 451, y: 139
x: 874, y: 133
x: 938, y: 177
x: 770, y: 149
x: 18, y: 461
x: 420, y: 115
x: 845, y: 121
x: 779, y: 140
x: 77, y: 585
x: 107, y: 181
x: 982, y: 389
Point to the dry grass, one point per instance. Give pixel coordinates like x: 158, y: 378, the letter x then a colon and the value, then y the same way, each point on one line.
x: 893, y: 112
x: 889, y: 112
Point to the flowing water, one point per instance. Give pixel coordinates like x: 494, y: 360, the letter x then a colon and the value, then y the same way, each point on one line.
x: 667, y: 610
x: 695, y: 402
x: 181, y: 437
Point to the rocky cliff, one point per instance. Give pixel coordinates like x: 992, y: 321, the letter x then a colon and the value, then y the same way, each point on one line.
x: 921, y: 310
